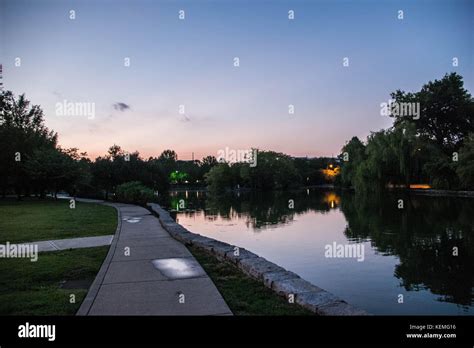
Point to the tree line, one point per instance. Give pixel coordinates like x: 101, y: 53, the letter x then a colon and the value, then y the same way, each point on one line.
x: 435, y: 148
x: 273, y: 171
x: 32, y: 162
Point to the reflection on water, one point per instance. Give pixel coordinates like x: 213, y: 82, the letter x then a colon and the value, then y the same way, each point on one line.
x: 424, y: 252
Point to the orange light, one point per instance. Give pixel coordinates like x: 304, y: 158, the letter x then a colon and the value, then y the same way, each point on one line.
x: 420, y: 186
x: 332, y: 199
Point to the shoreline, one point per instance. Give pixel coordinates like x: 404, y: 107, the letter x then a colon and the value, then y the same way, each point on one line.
x: 441, y: 193
x: 284, y: 283
x: 427, y: 192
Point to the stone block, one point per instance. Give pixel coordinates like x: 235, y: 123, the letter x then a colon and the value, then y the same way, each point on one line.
x: 270, y: 277
x: 256, y: 267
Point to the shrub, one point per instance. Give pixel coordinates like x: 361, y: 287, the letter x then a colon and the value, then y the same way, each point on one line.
x: 134, y: 192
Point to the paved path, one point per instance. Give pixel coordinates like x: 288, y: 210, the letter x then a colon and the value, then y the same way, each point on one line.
x: 147, y: 272
x: 72, y: 243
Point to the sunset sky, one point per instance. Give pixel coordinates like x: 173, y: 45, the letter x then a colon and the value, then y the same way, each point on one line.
x: 190, y: 62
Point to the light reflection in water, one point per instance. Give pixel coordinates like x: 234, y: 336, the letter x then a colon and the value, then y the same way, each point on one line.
x: 407, y: 251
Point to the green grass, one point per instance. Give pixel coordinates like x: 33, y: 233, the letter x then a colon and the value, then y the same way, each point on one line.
x: 34, y: 220
x: 33, y: 288
x: 244, y: 295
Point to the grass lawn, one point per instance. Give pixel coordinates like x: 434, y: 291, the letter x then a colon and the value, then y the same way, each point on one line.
x: 34, y: 288
x: 34, y: 220
x: 45, y: 287
x: 244, y: 295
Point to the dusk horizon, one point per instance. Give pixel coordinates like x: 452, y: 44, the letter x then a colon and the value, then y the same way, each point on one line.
x: 179, y: 89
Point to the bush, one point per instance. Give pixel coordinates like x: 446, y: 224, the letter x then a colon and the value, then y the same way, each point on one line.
x: 219, y: 178
x: 134, y: 192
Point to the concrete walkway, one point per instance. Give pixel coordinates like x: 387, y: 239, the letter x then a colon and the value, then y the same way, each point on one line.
x: 72, y: 243
x: 147, y: 272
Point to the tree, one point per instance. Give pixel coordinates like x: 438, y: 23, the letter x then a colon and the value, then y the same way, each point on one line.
x: 168, y: 155
x: 352, y: 155
x: 22, y: 131
x: 388, y: 159
x: 446, y: 111
x: 310, y: 170
x: 118, y: 167
x: 273, y: 170
x: 207, y: 163
x: 101, y: 170
x: 189, y: 172
x: 55, y: 169
x: 168, y: 160
x: 115, y: 151
x: 465, y: 166
x: 219, y: 178
x: 417, y: 150
x: 158, y: 179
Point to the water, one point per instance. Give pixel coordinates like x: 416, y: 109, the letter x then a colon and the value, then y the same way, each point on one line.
x: 407, y: 251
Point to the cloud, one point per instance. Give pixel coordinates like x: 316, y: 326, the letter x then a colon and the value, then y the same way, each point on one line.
x: 185, y: 118
x: 121, y: 106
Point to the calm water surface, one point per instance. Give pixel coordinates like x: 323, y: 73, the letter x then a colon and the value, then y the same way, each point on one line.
x: 406, y: 251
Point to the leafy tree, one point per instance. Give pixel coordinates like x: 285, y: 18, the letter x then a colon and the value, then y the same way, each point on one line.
x: 206, y: 164
x: 465, y: 165
x: 388, y: 159
x: 118, y: 167
x: 189, y: 171
x: 309, y: 170
x: 352, y: 155
x: 416, y: 150
x: 157, y: 178
x: 209, y: 161
x: 219, y: 178
x: 115, y: 151
x: 168, y: 160
x: 168, y: 155
x: 446, y: 111
x: 55, y: 169
x: 22, y: 131
x: 273, y: 171
x: 101, y: 170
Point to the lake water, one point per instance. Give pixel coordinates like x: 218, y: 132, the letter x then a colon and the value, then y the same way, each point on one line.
x: 407, y: 251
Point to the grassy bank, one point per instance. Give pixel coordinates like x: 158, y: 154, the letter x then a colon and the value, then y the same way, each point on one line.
x: 45, y: 287
x: 244, y: 295
x: 34, y: 220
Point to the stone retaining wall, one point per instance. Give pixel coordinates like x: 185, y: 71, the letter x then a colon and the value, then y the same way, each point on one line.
x: 281, y: 281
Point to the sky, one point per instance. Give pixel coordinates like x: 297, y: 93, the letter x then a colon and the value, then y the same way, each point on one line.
x: 190, y: 62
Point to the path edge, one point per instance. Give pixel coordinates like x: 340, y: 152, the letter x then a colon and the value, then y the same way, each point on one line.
x: 279, y: 280
x: 99, y: 278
